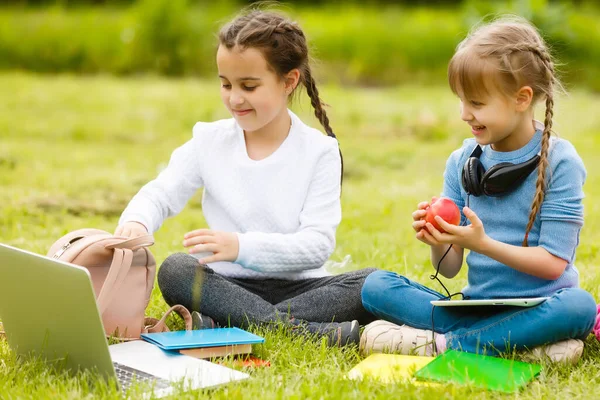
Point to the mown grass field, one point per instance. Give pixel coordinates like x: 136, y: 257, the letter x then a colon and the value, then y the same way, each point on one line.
x: 74, y: 150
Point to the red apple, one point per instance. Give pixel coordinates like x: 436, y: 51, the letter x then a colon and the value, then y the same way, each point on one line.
x: 445, y: 208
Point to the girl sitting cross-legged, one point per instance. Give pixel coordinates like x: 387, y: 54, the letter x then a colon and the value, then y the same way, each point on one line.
x: 271, y: 197
x: 523, y: 226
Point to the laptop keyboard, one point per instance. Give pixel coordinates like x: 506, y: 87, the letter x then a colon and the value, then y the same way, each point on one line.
x: 127, y: 375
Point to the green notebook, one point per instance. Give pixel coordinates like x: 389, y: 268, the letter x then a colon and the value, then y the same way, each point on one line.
x: 481, y: 371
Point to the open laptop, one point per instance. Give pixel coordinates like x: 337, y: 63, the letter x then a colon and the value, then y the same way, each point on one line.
x: 516, y: 302
x: 48, y: 309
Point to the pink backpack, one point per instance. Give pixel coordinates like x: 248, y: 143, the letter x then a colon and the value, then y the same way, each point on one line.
x: 122, y: 272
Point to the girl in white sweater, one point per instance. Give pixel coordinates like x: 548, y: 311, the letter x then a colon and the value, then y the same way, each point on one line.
x: 271, y: 197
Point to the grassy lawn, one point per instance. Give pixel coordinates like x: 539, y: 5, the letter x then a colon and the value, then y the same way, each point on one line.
x: 74, y: 150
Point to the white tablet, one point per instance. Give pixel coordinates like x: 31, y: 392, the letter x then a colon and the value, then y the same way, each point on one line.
x: 521, y: 302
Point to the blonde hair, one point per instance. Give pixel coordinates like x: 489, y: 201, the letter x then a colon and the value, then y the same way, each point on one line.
x: 505, y: 55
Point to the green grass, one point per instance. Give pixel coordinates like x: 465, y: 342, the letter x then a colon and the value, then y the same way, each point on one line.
x: 74, y: 150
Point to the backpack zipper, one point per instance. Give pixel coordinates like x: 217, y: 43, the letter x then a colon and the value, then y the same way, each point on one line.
x: 65, y: 247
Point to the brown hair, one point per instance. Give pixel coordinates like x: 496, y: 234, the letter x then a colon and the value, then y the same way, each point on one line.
x: 283, y: 45
x: 508, y: 54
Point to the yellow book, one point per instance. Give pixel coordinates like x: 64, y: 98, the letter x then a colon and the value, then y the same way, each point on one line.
x: 217, y: 351
x: 389, y: 368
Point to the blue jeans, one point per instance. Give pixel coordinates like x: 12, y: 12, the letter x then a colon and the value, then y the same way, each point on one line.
x: 568, y: 313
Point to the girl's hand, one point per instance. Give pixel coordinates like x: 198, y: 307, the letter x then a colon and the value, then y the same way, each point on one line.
x: 131, y: 230
x: 223, y: 245
x: 419, y: 224
x: 471, y: 237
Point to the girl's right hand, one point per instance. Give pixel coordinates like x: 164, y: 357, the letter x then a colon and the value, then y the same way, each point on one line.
x: 419, y: 224
x: 131, y: 230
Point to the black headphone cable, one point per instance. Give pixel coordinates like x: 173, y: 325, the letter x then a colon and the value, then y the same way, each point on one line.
x: 449, y: 296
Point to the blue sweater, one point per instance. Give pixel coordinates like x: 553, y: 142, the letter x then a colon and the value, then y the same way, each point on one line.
x: 504, y: 218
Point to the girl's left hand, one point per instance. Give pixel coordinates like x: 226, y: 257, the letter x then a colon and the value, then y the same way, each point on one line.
x: 224, y: 245
x: 470, y: 237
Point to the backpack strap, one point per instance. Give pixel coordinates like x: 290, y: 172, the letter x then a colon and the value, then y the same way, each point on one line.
x: 121, y: 263
x: 134, y: 243
x: 153, y: 325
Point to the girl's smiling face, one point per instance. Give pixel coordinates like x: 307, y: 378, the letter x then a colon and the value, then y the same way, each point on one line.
x: 252, y: 92
x: 503, y: 121
x: 498, y: 109
x: 492, y: 118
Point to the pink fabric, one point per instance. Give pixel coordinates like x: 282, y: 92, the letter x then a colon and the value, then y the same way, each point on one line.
x: 440, y: 343
x: 122, y: 271
x: 597, y: 325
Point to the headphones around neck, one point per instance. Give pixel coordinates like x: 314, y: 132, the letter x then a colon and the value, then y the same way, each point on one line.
x: 499, y: 180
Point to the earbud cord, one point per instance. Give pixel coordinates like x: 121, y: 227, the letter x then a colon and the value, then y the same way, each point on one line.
x: 449, y: 296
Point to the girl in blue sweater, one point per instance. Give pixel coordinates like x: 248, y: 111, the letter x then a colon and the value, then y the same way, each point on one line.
x: 521, y: 227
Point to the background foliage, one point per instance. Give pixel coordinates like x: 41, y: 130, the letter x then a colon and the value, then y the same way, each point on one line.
x: 368, y: 44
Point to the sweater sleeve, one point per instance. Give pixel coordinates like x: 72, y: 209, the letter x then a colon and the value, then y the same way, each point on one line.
x: 561, y: 214
x: 166, y: 195
x: 314, y: 241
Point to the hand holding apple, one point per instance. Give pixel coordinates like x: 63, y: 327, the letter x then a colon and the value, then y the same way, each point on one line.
x: 471, y: 236
x: 446, y: 209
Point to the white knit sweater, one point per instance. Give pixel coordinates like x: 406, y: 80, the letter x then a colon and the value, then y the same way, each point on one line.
x: 285, y: 208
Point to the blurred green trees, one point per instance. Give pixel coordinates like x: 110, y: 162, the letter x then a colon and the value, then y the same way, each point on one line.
x: 372, y: 43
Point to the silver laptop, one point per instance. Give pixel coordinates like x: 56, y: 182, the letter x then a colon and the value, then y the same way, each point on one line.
x: 48, y: 309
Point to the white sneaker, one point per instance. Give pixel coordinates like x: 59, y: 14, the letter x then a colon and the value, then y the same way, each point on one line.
x: 386, y: 337
x: 566, y: 351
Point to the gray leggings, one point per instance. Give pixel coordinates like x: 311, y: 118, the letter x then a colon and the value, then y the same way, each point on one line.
x: 240, y: 302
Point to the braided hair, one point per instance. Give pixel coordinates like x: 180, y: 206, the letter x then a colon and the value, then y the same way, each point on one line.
x: 285, y: 48
x: 511, y: 51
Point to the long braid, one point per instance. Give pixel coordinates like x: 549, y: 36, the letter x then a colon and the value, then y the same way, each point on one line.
x: 309, y: 82
x: 540, y: 186
x: 285, y: 48
x: 315, y: 101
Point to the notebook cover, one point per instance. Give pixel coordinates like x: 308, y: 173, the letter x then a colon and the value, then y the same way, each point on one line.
x: 388, y: 368
x: 201, y: 338
x: 478, y: 370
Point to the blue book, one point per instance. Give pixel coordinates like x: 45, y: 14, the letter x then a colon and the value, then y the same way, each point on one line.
x: 201, y: 338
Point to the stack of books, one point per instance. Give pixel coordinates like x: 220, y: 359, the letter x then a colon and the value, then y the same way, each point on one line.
x: 206, y: 343
x: 218, y: 351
